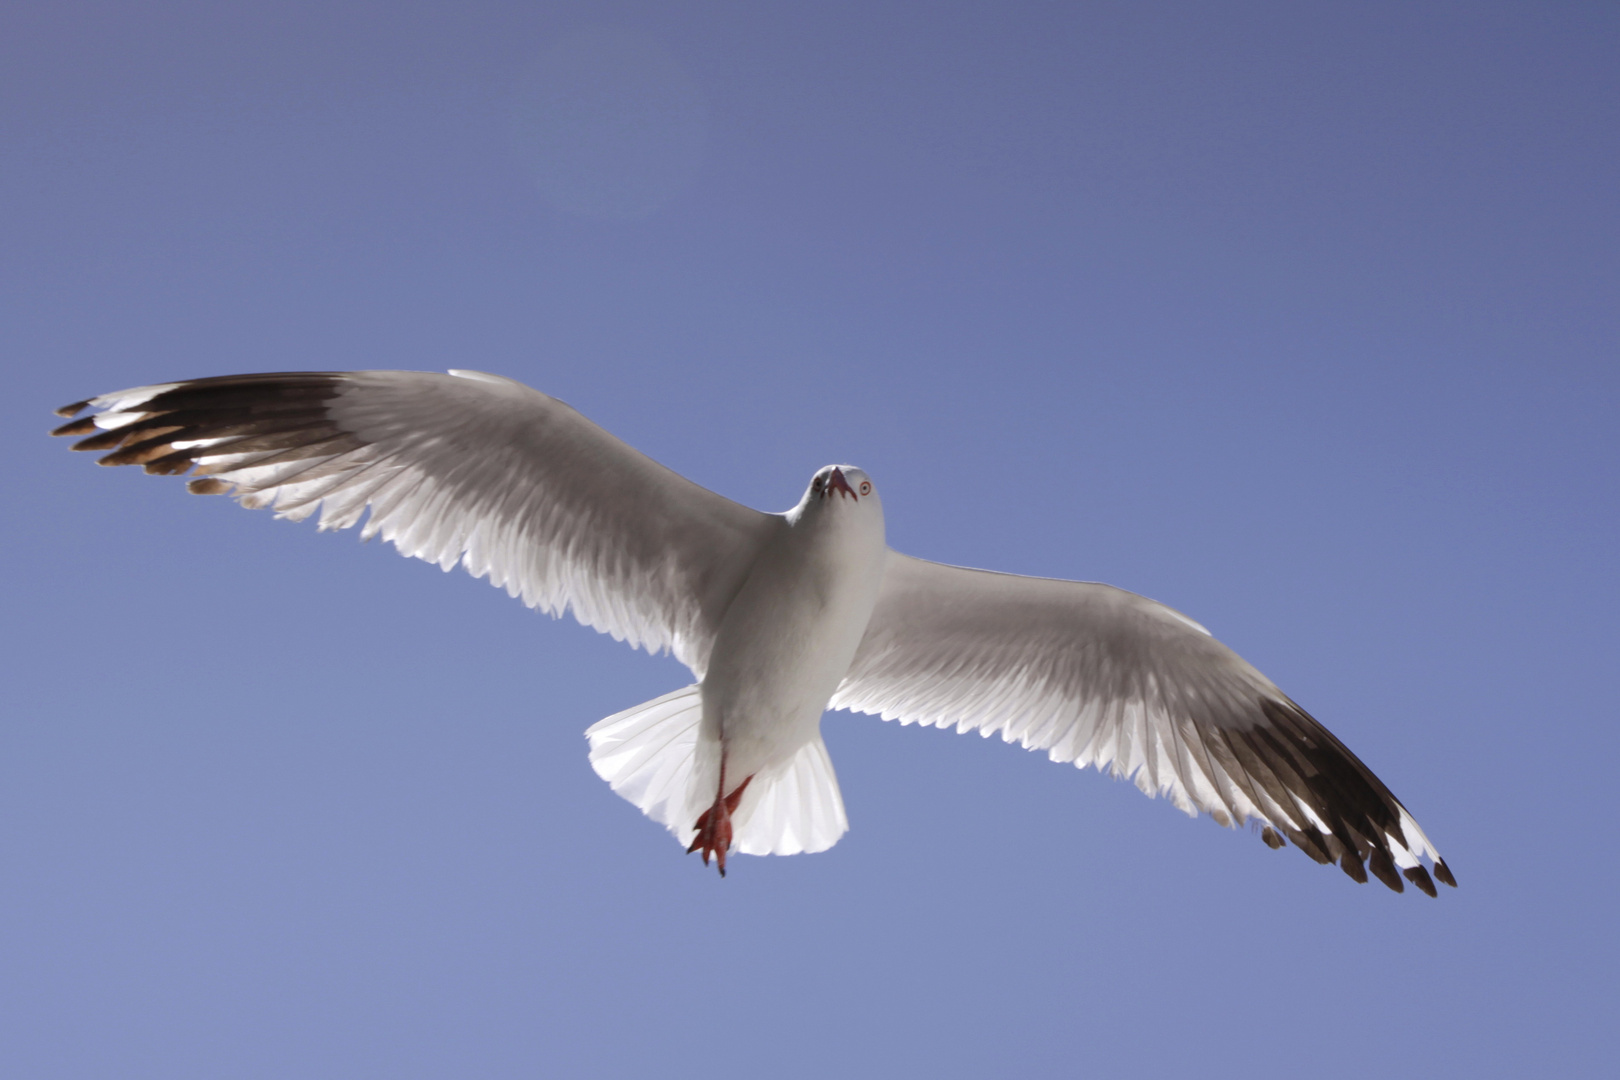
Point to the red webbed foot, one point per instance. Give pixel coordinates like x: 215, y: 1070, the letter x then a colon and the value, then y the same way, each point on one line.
x: 714, y: 827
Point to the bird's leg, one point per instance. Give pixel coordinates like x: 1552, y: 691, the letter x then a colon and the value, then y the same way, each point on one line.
x: 714, y: 824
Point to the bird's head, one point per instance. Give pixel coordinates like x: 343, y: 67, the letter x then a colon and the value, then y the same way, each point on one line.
x: 840, y: 482
x: 843, y: 487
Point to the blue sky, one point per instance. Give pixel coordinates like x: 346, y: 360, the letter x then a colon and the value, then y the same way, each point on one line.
x: 1302, y: 319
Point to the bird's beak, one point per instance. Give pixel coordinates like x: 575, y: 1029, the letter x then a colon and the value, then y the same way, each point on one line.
x: 836, y: 482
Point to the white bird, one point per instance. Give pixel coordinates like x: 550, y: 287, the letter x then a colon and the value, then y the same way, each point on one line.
x: 778, y: 616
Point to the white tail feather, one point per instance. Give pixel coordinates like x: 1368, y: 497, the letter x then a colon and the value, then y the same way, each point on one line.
x: 647, y: 755
x: 793, y: 807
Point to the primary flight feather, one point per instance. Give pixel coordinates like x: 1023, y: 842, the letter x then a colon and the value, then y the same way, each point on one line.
x: 778, y: 616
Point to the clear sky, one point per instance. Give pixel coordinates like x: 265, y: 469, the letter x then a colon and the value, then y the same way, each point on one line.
x: 1302, y: 318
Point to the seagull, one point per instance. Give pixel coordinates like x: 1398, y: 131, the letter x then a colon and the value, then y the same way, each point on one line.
x: 779, y: 616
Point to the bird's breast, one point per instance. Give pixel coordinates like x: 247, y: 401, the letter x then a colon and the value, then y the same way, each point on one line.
x: 788, y: 639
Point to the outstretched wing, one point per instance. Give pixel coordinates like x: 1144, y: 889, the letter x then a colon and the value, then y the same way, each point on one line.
x: 1099, y: 676
x: 464, y: 467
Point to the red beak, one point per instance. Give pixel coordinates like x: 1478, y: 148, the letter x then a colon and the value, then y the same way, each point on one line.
x: 836, y: 482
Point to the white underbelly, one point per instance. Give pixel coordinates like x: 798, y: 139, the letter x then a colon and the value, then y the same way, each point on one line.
x: 783, y: 648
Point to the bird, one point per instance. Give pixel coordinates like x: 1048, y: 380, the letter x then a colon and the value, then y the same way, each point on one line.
x: 779, y: 616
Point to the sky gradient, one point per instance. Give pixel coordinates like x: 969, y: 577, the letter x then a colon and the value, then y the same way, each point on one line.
x: 1303, y: 320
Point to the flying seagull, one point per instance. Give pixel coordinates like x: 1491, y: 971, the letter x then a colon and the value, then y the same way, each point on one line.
x: 778, y: 616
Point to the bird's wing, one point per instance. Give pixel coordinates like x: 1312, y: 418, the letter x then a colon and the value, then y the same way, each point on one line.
x: 1099, y: 676
x: 464, y: 467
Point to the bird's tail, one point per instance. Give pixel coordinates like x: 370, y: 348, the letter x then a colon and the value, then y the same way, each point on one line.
x: 654, y: 757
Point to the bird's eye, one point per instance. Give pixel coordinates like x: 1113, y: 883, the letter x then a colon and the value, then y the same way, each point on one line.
x: 866, y: 487
x: 816, y: 484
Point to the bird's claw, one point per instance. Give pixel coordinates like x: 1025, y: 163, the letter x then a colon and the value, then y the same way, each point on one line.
x: 714, y: 828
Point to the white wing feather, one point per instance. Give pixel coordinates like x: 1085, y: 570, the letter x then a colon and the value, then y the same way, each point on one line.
x: 460, y: 468
x: 1101, y: 677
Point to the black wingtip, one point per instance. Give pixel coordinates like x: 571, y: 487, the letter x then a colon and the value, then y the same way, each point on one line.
x: 1443, y: 872
x: 207, y: 486
x: 74, y: 409
x: 1350, y: 863
x: 1269, y: 835
x: 1420, y: 877
x: 85, y: 425
x: 1383, y: 867
x: 107, y: 440
x: 1312, y: 843
x: 173, y: 464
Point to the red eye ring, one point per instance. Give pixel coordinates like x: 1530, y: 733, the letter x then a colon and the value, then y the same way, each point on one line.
x: 866, y: 487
